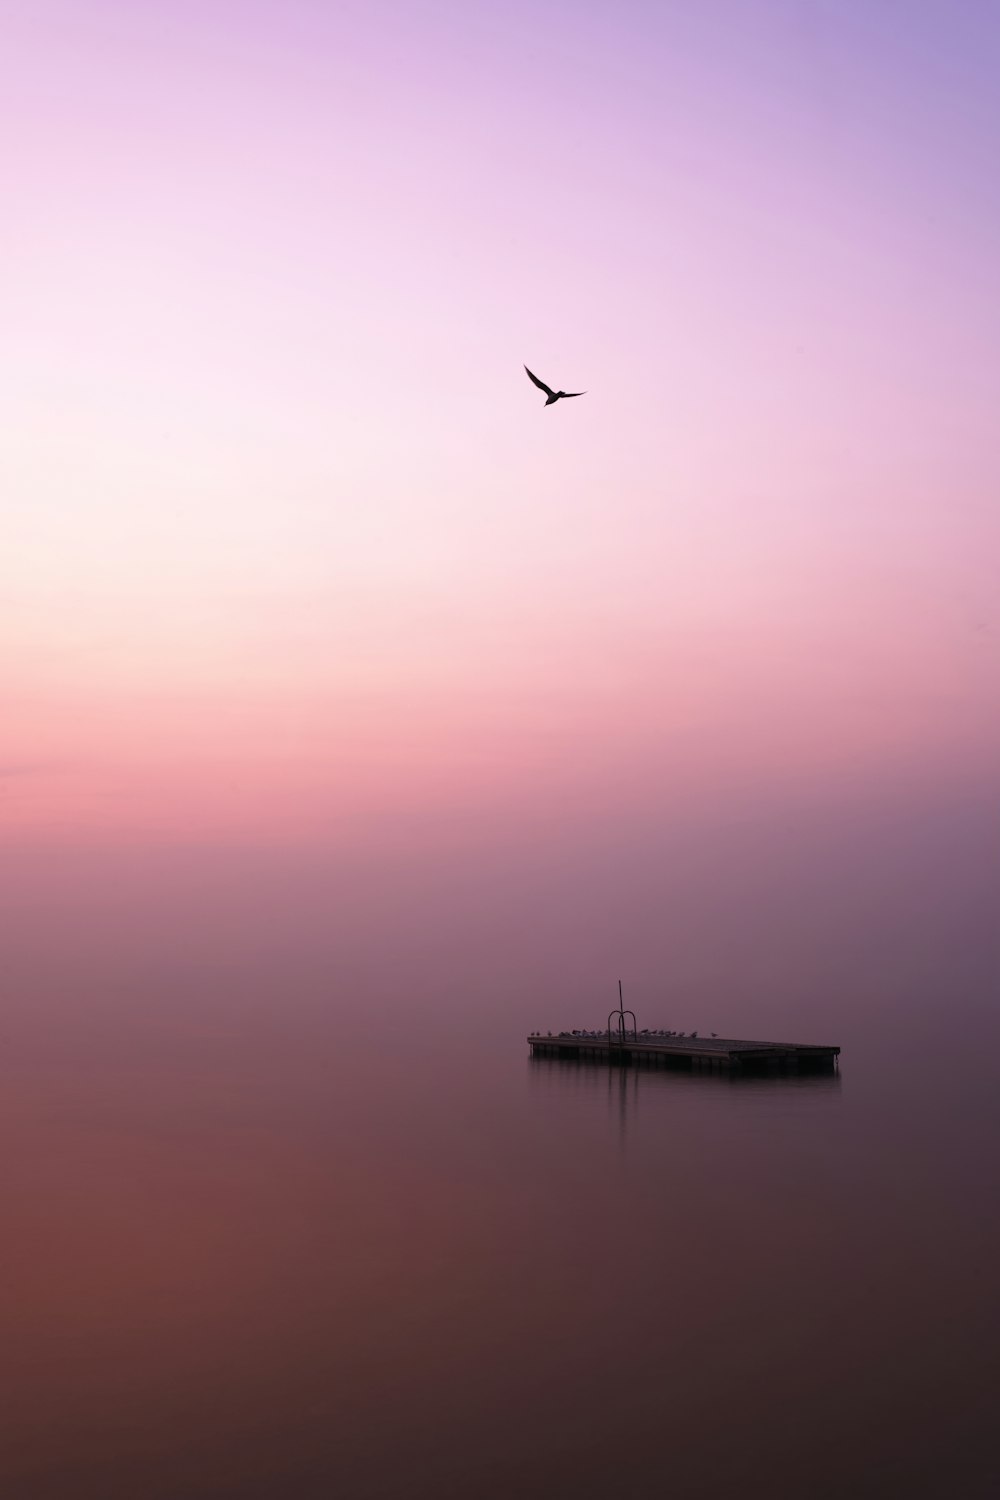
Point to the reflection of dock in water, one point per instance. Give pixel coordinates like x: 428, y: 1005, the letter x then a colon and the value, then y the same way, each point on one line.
x: 714, y: 1054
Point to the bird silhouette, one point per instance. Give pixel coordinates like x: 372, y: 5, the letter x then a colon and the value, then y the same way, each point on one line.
x: 551, y: 394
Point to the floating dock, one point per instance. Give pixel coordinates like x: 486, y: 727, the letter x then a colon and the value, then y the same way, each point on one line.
x: 716, y: 1054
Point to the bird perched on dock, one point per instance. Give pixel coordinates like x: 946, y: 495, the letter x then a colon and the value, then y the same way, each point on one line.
x: 550, y: 393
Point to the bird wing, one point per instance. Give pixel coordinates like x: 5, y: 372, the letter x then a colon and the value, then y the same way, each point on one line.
x: 540, y: 383
x: 572, y: 393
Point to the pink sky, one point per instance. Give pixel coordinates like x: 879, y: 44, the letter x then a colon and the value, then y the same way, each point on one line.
x: 290, y: 544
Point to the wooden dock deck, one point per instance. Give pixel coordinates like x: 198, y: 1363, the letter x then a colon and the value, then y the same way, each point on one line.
x: 717, y: 1054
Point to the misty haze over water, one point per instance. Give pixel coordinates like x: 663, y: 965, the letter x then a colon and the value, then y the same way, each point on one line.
x: 290, y: 1209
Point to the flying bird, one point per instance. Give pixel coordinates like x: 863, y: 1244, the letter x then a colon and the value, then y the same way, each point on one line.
x: 552, y: 395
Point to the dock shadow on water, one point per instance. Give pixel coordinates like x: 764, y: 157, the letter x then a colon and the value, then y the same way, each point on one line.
x: 665, y: 1091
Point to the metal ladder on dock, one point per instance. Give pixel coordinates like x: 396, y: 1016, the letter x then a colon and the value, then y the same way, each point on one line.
x: 620, y: 1037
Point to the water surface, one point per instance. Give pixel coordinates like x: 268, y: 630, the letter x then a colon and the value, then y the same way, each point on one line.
x: 287, y: 1216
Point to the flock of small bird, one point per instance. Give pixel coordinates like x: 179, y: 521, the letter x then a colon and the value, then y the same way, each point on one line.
x: 596, y: 1036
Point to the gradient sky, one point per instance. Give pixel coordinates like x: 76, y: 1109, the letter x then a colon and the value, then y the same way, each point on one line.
x: 291, y: 549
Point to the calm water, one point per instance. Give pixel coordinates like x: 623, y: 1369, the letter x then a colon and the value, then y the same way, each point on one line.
x: 287, y: 1216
